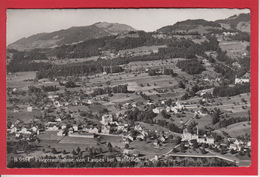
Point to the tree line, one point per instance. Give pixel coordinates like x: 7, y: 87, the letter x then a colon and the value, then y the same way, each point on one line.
x: 109, y: 90
x: 224, y: 91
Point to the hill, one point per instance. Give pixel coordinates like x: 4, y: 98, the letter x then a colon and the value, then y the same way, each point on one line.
x: 70, y: 36
x: 237, y: 22
x: 190, y: 26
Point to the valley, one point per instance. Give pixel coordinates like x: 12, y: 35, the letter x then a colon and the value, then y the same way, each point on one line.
x: 178, y: 96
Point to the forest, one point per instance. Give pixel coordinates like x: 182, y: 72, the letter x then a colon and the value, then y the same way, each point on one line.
x: 191, y: 66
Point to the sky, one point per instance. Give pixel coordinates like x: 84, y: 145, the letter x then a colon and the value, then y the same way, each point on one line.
x: 26, y: 22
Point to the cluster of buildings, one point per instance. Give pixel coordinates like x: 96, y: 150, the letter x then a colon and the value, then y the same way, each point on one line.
x: 176, y: 109
x: 227, y: 144
x: 243, y: 79
x: 186, y: 136
x: 23, y: 131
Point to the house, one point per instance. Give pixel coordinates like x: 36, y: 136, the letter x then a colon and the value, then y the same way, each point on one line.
x: 29, y: 108
x: 13, y: 130
x: 234, y: 147
x: 249, y: 144
x: 174, y: 109
x: 58, y: 119
x: 207, y: 140
x: 89, y: 102
x: 54, y: 128
x: 133, y: 152
x: 138, y: 128
x: 57, y: 103
x: 63, y: 126
x: 24, y: 131
x: 60, y: 133
x: 106, y: 119
x: 179, y: 105
x: 186, y: 136
x: 34, y: 129
x: 105, y: 129
x: 157, y: 110
x: 199, y: 113
x: 93, y: 130
x: 128, y: 138
x: 53, y: 96
x: 75, y: 128
x: 140, y: 137
x: 70, y: 132
x: 168, y: 109
x: 161, y: 139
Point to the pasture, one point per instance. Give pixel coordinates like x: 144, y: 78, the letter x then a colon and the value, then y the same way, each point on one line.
x: 238, y: 129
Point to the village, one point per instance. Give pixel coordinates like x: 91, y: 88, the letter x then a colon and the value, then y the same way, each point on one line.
x: 71, y: 116
x: 108, y: 95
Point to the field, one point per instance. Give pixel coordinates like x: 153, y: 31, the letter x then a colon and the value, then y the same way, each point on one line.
x: 17, y: 80
x: 234, y: 48
x: 238, y: 129
x: 25, y: 116
x: 147, y: 148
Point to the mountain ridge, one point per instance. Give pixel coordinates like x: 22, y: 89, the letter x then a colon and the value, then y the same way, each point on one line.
x: 71, y: 35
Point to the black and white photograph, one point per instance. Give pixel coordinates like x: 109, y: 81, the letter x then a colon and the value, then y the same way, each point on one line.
x: 115, y: 88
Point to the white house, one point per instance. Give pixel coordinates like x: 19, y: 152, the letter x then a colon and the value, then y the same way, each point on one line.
x: 106, y: 119
x: 29, y: 108
x: 168, y: 109
x: 34, y: 129
x: 54, y: 128
x: 58, y: 119
x: 13, y: 130
x: 75, y: 128
x: 60, y: 133
x: 179, y: 105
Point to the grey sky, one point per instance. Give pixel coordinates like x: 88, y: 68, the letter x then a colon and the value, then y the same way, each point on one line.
x: 24, y: 23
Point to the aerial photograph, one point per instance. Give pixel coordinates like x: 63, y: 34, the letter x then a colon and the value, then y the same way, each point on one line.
x: 116, y: 88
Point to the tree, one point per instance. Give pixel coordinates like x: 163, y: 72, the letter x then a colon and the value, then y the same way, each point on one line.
x: 203, y: 151
x: 74, y: 152
x: 78, y: 150
x: 195, y: 144
x: 181, y: 85
x: 54, y: 151
x: 175, y: 150
x: 164, y: 114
